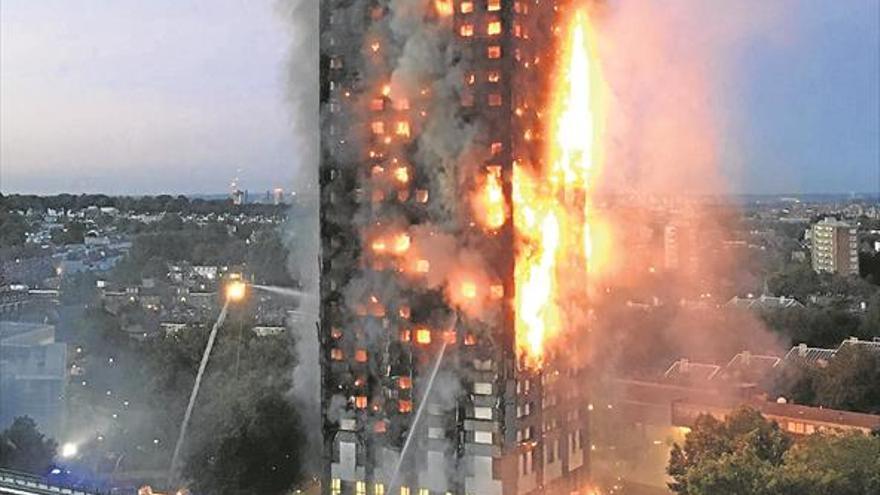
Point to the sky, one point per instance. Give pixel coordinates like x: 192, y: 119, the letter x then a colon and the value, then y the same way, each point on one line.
x: 182, y: 96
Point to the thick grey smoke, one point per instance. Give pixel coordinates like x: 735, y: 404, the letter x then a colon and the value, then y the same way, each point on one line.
x: 302, y: 229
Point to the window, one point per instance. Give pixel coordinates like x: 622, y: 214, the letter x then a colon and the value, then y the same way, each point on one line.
x: 493, y: 28
x: 360, y: 355
x: 493, y: 52
x: 470, y: 78
x: 360, y: 488
x: 494, y: 100
x: 378, y: 127
x: 496, y: 148
x: 360, y: 401
x: 404, y: 406
x: 467, y: 99
x: 493, y: 76
x: 423, y: 336
x: 404, y: 383
x: 493, y: 5
x: 466, y: 7
x: 483, y: 412
x: 379, y: 489
x: 424, y: 491
x: 484, y: 437
x: 466, y: 30
x: 483, y: 388
x: 336, y: 486
x: 336, y: 62
x: 336, y: 354
x: 404, y: 490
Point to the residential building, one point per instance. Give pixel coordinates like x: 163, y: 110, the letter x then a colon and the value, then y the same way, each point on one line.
x: 500, y: 427
x: 835, y: 247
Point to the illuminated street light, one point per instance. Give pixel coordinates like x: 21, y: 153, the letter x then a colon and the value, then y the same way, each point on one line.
x: 69, y: 450
x: 236, y: 290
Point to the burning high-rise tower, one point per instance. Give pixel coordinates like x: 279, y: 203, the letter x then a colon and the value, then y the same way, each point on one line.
x: 446, y: 226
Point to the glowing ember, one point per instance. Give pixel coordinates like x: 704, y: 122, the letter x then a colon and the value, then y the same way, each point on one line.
x: 552, y: 205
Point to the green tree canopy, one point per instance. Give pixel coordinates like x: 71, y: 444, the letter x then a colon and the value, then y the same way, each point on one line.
x: 746, y: 454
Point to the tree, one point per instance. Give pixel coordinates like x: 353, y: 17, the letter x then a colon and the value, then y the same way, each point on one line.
x: 733, y: 456
x: 262, y: 455
x: 746, y: 454
x: 24, y: 448
x: 832, y: 465
x: 851, y: 381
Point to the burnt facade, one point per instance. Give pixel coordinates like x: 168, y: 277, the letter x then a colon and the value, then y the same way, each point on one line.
x: 422, y: 101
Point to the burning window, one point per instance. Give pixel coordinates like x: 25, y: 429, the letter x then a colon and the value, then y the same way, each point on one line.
x: 496, y: 148
x: 493, y: 51
x: 379, y: 427
x: 360, y: 401
x: 444, y: 9
x: 377, y: 104
x: 469, y: 289
x: 337, y: 354
x: 520, y: 7
x: 404, y: 312
x: 517, y: 29
x: 377, y: 170
x: 493, y: 28
x: 493, y: 76
x: 360, y: 355
x: 401, y: 104
x: 423, y: 266
x: 405, y: 335
x: 470, y: 339
x: 378, y: 127
x: 335, y: 333
x: 494, y: 100
x: 466, y: 30
x: 404, y: 406
x: 466, y: 7
x: 422, y: 196
x: 493, y: 5
x: 497, y: 291
x: 402, y: 128
x: 450, y: 337
x: 401, y: 174
x: 423, y: 336
x: 404, y: 383
x: 470, y: 78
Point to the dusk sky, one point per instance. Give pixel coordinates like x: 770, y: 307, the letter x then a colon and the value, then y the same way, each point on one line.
x: 181, y: 96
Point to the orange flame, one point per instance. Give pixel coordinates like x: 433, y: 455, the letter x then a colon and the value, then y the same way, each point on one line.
x: 552, y: 213
x: 489, y: 205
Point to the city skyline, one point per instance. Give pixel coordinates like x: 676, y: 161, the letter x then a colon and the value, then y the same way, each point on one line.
x: 121, y: 98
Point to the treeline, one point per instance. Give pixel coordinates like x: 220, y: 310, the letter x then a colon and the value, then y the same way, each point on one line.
x: 133, y: 204
x: 746, y: 453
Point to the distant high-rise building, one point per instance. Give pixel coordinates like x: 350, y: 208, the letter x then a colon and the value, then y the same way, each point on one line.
x: 835, y: 247
x: 277, y: 196
x: 680, y: 246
